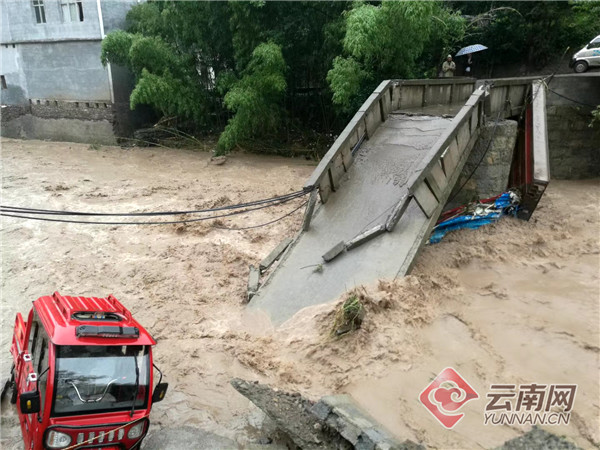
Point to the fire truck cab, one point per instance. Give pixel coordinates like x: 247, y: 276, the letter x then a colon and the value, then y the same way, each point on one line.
x: 82, y: 375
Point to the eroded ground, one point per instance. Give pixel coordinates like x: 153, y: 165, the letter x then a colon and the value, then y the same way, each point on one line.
x: 512, y: 303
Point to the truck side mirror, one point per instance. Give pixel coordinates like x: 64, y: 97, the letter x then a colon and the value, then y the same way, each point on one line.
x: 159, y: 392
x: 30, y: 402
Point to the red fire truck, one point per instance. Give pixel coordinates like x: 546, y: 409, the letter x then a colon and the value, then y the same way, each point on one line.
x: 82, y: 375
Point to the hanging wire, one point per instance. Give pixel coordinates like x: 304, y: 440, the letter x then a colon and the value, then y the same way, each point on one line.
x: 37, y: 211
x: 37, y: 216
x: 263, y: 224
x: 570, y: 99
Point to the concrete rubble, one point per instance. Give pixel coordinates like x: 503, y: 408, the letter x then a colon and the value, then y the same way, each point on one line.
x: 334, y: 422
x: 290, y: 412
x: 341, y: 413
x: 274, y: 255
x: 253, y: 282
x: 537, y: 438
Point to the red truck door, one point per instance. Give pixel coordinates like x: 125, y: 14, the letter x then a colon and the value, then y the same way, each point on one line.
x: 30, y: 353
x: 18, y: 341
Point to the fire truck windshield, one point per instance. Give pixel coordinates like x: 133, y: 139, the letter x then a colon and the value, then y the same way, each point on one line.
x: 98, y: 379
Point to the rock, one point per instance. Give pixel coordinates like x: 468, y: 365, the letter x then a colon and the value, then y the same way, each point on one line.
x: 292, y: 417
x: 253, y: 282
x: 538, y: 438
x: 186, y: 438
x: 218, y: 160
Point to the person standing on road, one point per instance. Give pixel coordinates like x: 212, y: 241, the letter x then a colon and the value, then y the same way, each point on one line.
x: 448, y: 67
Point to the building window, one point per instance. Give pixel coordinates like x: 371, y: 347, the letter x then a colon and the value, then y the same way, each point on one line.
x: 72, y: 11
x: 3, y: 80
x: 40, y: 13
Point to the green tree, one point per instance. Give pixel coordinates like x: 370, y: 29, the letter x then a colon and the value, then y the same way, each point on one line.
x: 197, y: 60
x: 187, y: 55
x: 381, y: 41
x: 176, y: 50
x: 532, y: 34
x: 595, y: 117
x: 448, y: 30
x: 255, y: 98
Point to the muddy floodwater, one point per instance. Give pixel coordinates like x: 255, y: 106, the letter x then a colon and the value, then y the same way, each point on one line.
x: 512, y: 303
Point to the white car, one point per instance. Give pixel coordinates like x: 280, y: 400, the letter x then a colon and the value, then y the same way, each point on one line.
x: 588, y: 56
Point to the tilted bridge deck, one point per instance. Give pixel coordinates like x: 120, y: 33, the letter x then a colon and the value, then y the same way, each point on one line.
x: 389, y: 174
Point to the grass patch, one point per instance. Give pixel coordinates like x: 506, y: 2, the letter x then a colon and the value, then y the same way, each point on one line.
x: 348, y: 317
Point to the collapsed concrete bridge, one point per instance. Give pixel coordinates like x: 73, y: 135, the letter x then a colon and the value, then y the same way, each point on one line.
x: 386, y: 179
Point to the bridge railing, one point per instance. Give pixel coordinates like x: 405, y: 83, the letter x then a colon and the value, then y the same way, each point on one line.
x: 503, y: 98
x: 441, y: 91
x: 433, y: 179
x: 508, y: 96
x: 389, y: 96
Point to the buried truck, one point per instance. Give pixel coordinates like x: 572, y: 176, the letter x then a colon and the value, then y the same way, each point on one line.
x: 82, y: 375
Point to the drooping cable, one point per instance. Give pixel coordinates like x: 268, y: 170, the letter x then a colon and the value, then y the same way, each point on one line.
x: 37, y: 211
x: 23, y: 215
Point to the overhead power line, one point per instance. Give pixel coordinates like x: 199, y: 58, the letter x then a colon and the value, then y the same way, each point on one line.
x: 232, y: 210
x: 37, y: 211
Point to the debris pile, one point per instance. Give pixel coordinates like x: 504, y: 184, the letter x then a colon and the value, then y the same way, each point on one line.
x: 477, y: 214
x: 334, y: 422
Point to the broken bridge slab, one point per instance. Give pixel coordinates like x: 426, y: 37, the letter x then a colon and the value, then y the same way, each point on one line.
x: 372, y: 188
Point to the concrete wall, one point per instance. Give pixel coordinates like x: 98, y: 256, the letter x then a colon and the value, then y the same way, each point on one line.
x: 57, y: 87
x: 59, y: 59
x: 68, y: 130
x: 19, y: 22
x: 114, y: 13
x: 11, y: 68
x: 57, y: 71
x: 574, y: 146
x: 60, y: 121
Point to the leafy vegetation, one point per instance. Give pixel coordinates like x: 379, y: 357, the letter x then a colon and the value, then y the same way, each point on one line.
x: 255, y: 97
x: 275, y: 71
x: 349, y: 316
x: 388, y: 40
x: 595, y: 117
x: 531, y: 34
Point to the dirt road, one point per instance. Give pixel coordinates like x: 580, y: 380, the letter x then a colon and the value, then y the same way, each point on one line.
x: 514, y: 303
